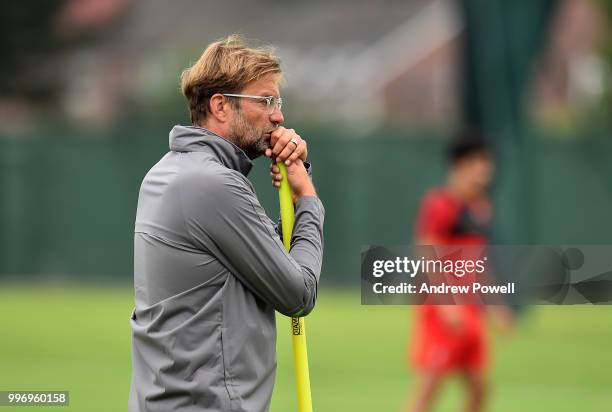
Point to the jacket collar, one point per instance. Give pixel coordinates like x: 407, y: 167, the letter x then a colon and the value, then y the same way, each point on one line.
x: 198, y: 139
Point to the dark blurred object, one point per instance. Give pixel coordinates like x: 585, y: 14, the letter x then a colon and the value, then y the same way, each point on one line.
x: 36, y: 36
x: 606, y: 53
x: 28, y: 45
x: 501, y: 39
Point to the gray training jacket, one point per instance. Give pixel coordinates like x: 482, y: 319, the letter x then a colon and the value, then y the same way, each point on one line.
x: 209, y: 272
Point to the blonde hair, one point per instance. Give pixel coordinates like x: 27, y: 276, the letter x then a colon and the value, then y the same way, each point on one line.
x: 226, y: 66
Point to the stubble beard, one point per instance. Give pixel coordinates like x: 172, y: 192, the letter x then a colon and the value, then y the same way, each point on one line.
x: 248, y: 137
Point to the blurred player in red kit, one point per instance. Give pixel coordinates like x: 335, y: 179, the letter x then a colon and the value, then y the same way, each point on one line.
x: 452, y: 338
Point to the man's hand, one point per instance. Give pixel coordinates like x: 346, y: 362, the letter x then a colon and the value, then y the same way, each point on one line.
x: 300, y: 182
x: 286, y: 146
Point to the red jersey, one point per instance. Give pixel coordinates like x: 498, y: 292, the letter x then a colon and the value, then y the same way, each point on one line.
x: 451, y: 221
x: 446, y: 220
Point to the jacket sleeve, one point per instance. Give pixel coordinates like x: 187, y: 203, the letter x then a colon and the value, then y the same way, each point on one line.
x: 224, y: 216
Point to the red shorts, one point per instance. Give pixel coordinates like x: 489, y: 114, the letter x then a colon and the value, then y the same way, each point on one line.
x: 440, y: 349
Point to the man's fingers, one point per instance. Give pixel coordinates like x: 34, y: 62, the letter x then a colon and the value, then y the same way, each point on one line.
x: 274, y: 168
x: 298, y: 153
x: 284, y: 155
x: 288, y: 137
x: 304, y: 153
x: 281, y: 142
x: 287, y: 146
x: 276, y: 175
x: 276, y: 180
x: 293, y: 146
x: 276, y: 134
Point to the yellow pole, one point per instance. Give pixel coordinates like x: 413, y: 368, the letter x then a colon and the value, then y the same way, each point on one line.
x: 298, y: 331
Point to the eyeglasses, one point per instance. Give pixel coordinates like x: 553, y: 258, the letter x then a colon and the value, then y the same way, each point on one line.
x: 272, y: 102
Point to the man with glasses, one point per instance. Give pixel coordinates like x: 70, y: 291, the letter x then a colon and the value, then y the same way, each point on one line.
x: 210, y: 269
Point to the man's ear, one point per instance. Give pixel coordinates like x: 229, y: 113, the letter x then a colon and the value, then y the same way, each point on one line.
x: 219, y: 106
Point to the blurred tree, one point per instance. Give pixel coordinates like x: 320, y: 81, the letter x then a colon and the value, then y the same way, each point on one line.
x: 36, y: 37
x: 30, y: 46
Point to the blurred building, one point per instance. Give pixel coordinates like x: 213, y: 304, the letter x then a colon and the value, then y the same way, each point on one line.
x: 363, y: 63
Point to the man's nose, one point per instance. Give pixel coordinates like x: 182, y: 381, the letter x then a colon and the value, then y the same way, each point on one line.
x: 277, y: 117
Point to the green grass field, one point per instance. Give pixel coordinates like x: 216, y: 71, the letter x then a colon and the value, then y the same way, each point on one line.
x: 77, y: 338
